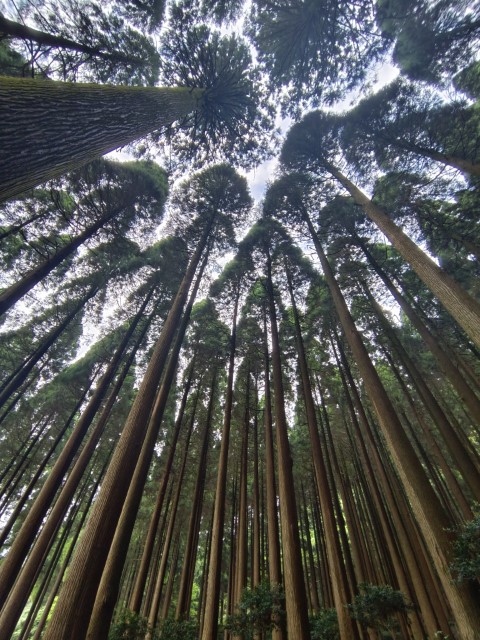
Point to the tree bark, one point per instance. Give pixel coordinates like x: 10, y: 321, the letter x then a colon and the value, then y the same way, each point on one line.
x: 49, y: 128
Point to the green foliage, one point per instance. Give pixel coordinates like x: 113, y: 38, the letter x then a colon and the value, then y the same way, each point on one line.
x: 130, y: 626
x: 324, y: 625
x: 376, y: 606
x: 466, y: 552
x: 234, y: 119
x: 179, y: 630
x: 260, y: 609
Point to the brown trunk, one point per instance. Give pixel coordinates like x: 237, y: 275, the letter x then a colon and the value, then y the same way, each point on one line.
x: 295, y: 593
x: 444, y: 361
x: 76, y: 598
x: 461, y: 306
x: 109, y: 584
x: 340, y: 588
x: 428, y: 511
x: 64, y: 125
x: 190, y: 553
x: 141, y: 579
x: 210, y: 622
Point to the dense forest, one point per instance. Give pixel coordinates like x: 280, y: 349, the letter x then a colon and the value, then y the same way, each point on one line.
x: 229, y: 418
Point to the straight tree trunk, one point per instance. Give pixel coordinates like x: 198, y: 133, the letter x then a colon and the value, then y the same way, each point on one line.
x: 20, y: 591
x: 210, y: 622
x: 341, y: 592
x: 190, y: 553
x: 425, y: 504
x: 109, y: 585
x: 444, y: 361
x: 76, y: 598
x: 295, y: 593
x: 459, y: 304
x: 16, y: 291
x: 49, y: 128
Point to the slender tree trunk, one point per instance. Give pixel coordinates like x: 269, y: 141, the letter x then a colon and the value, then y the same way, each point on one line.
x: 109, y: 584
x: 42, y: 349
x: 210, y: 623
x: 459, y: 304
x: 76, y: 598
x: 425, y: 504
x: 23, y: 32
x: 49, y: 128
x: 190, y: 553
x: 274, y: 567
x: 141, y: 579
x: 341, y: 592
x: 16, y: 291
x: 295, y: 593
x: 19, y: 594
x: 444, y: 361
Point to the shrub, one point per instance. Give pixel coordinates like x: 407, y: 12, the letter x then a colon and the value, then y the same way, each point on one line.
x: 466, y: 552
x: 324, y: 625
x: 259, y: 610
x: 376, y: 606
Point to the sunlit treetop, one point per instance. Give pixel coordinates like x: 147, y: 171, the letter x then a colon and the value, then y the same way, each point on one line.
x: 314, y: 51
x: 234, y: 120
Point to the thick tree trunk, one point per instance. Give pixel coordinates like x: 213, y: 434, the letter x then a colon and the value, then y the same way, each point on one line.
x: 425, y: 504
x: 459, y: 304
x: 49, y: 128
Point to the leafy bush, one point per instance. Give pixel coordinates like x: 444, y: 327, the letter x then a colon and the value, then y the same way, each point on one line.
x: 376, y: 606
x: 179, y: 630
x: 130, y: 626
x: 259, y: 610
x: 324, y: 625
x: 466, y: 552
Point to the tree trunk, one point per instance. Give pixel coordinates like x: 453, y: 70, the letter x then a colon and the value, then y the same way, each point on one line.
x: 16, y: 291
x: 19, y: 594
x: 76, y: 598
x: 210, y: 623
x: 109, y: 584
x: 49, y: 128
x: 341, y: 592
x: 295, y: 593
x: 425, y: 504
x: 459, y: 304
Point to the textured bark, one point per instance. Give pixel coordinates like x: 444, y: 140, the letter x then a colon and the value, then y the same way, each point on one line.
x: 72, y: 613
x: 242, y: 532
x: 425, y: 504
x: 49, y: 128
x: 459, y: 304
x: 210, y: 623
